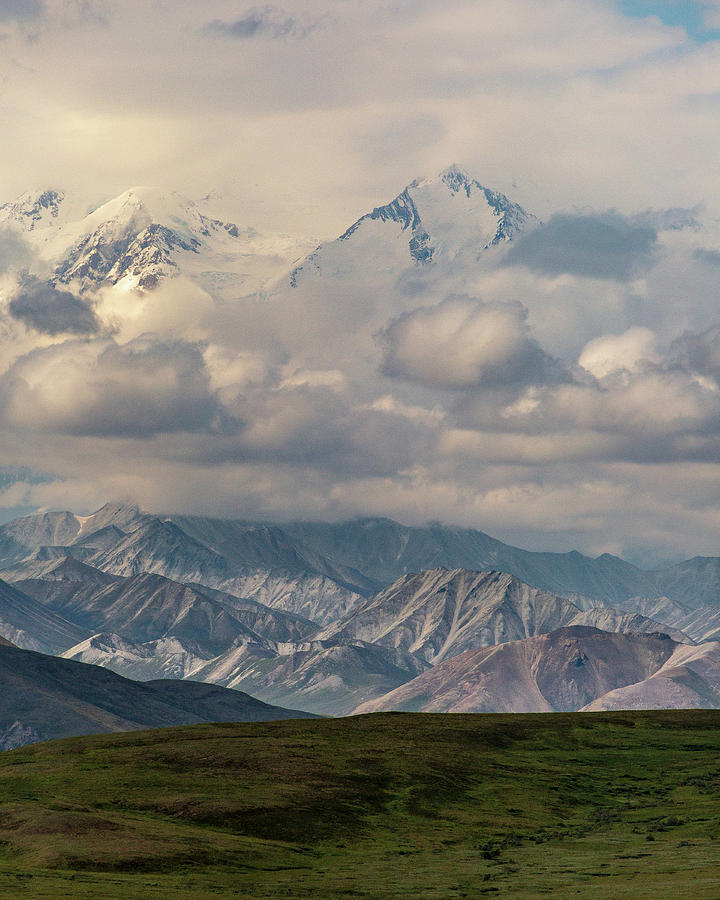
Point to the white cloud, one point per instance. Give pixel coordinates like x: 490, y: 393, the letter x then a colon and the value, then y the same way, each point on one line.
x: 556, y: 86
x: 612, y: 353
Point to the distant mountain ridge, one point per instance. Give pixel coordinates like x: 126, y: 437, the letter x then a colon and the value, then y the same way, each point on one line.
x: 440, y: 613
x: 359, y: 555
x: 323, y: 570
x: 297, y: 613
x: 145, y: 235
x: 390, y: 550
x: 572, y: 668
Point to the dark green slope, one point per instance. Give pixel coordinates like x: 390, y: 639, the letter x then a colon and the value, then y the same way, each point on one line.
x: 621, y: 805
x: 44, y: 697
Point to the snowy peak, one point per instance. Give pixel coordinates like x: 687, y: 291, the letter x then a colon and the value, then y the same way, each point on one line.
x: 139, y: 237
x: 151, y: 206
x: 445, y: 212
x: 457, y: 179
x: 450, y: 218
x: 32, y: 210
x: 142, y: 236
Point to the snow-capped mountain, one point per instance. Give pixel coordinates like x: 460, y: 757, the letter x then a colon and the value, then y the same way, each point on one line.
x: 142, y: 236
x: 451, y: 218
x: 145, y: 235
x: 33, y: 210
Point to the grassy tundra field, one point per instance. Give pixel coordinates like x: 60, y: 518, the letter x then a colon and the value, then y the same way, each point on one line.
x: 388, y: 805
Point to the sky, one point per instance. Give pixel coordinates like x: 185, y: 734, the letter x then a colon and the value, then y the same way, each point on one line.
x: 597, y: 425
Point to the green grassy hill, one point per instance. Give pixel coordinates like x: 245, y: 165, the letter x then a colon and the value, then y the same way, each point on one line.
x: 389, y: 805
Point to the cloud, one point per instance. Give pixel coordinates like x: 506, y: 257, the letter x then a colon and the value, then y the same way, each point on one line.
x: 288, y: 409
x: 14, y: 252
x: 52, y: 311
x: 99, y: 388
x: 21, y: 10
x: 463, y: 343
x: 710, y: 257
x: 268, y: 21
x: 593, y: 245
x: 698, y: 353
x: 613, y: 353
x: 676, y: 219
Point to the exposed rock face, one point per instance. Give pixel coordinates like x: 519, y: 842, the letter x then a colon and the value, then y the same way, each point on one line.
x: 321, y: 571
x: 29, y: 624
x: 564, y: 670
x: 244, y: 559
x: 17, y: 735
x: 440, y: 613
x: 32, y: 210
x: 689, y: 679
x: 385, y: 550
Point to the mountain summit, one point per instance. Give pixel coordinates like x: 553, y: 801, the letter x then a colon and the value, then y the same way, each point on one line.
x: 451, y: 218
x: 33, y: 209
x: 142, y: 236
x: 441, y: 204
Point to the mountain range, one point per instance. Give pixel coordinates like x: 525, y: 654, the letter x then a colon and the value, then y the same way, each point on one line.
x: 143, y: 236
x: 297, y: 614
x: 296, y: 566
x: 326, y: 616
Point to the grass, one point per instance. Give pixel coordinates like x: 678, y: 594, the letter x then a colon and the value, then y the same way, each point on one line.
x: 389, y: 805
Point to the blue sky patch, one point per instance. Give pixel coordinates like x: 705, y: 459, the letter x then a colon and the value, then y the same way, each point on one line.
x: 687, y: 14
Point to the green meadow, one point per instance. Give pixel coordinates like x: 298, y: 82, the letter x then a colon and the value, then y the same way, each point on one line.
x: 605, y: 805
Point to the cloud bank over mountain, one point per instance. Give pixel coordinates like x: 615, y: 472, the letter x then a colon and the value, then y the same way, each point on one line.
x: 450, y: 357
x: 457, y: 382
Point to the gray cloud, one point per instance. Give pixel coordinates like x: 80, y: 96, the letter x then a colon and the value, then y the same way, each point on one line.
x: 698, y: 353
x: 49, y: 310
x: 13, y: 249
x: 22, y: 10
x: 326, y: 430
x: 676, y: 219
x: 710, y: 257
x: 465, y: 343
x: 265, y: 21
x: 140, y: 389
x: 593, y: 245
